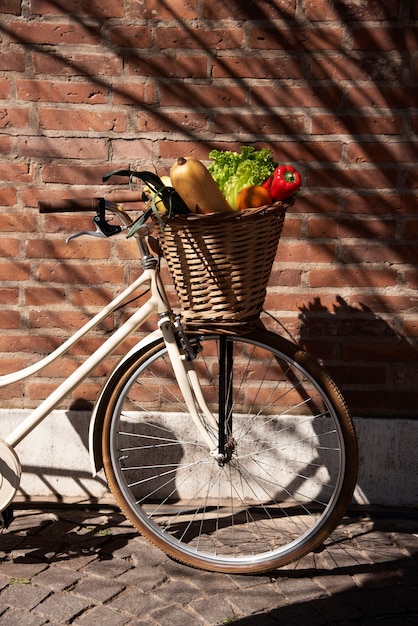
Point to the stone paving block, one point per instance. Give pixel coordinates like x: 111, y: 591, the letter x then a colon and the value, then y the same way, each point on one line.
x: 298, y: 615
x: 175, y: 616
x: 179, y: 592
x: 23, y: 596
x: 56, y: 578
x: 261, y: 619
x: 383, y: 578
x: 135, y: 602
x: 21, y: 569
x: 335, y: 583
x: 13, y: 617
x: 217, y: 583
x: 62, y: 607
x: 249, y: 601
x: 299, y: 589
x: 108, y: 568
x: 334, y: 609
x: 143, y: 552
x: 104, y: 616
x: 97, y: 589
x: 214, y: 609
x: 144, y: 577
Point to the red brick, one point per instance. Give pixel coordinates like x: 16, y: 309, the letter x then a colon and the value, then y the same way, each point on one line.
x: 77, y: 64
x: 291, y: 227
x: 291, y: 95
x: 324, y: 10
x: 134, y: 93
x: 389, y: 152
x: 132, y: 37
x: 207, y: 96
x: 352, y: 277
x: 62, y: 92
x: 72, y: 174
x: 44, y: 296
x: 272, y: 37
x: 95, y: 8
x: 54, y: 33
x: 316, y: 203
x: 378, y: 204
x: 322, y: 228
x: 304, y: 252
x: 199, y: 38
x: 411, y: 278
x: 253, y: 67
x: 259, y: 123
x: 384, y: 303
x: 385, y: 38
x: 14, y: 118
x: 357, y: 124
x: 276, y: 9
x: 161, y: 66
x: 9, y: 295
x: 374, y: 253
x: 411, y: 228
x: 9, y: 247
x: 80, y: 274
x: 62, y: 147
x: 11, y: 6
x: 9, y: 319
x: 91, y: 297
x: 17, y: 222
x: 367, y: 178
x: 12, y: 61
x: 8, y: 196
x: 68, y: 320
x: 411, y: 179
x: 76, y: 249
x: 15, y: 171
x: 389, y: 97
x: 172, y: 122
x: 127, y: 150
x: 91, y: 121
x: 155, y: 9
x: 14, y: 270
x: 4, y: 88
x: 367, y: 229
x: 410, y: 328
x: 365, y: 68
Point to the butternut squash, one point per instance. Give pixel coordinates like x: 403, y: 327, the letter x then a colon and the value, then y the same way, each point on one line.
x: 194, y: 183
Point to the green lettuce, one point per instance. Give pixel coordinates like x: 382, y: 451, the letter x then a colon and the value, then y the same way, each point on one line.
x: 233, y: 170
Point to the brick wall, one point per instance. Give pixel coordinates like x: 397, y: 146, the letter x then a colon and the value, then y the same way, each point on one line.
x: 330, y: 86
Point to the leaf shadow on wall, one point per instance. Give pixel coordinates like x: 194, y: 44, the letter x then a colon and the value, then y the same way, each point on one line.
x: 373, y: 364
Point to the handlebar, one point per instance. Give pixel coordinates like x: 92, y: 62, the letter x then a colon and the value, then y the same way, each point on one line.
x: 72, y: 205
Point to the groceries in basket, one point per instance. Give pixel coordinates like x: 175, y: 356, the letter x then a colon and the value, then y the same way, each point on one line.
x: 233, y: 180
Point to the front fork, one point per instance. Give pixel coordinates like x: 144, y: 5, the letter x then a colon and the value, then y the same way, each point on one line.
x: 217, y: 434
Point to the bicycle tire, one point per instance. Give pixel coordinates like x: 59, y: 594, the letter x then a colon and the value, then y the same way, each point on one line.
x: 292, y: 467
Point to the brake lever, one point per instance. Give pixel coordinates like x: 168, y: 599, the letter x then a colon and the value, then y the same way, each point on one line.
x: 103, y: 227
x: 91, y: 233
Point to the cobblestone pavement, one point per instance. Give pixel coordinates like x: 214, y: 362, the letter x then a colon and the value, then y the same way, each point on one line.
x: 83, y: 564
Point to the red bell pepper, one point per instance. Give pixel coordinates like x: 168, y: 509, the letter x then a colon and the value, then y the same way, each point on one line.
x: 283, y: 183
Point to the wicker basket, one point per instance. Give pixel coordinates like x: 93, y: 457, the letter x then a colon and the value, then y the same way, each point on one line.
x: 221, y: 263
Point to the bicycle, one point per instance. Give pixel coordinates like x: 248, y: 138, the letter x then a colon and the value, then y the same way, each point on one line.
x: 232, y: 453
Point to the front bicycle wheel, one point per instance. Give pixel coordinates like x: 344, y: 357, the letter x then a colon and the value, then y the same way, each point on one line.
x: 290, y: 455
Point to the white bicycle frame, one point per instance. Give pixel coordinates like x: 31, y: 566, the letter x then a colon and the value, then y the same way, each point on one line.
x: 183, y: 369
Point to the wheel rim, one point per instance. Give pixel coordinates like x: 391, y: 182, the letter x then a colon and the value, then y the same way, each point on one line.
x: 248, y: 513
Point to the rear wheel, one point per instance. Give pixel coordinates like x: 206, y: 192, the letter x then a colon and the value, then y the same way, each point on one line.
x: 289, y: 454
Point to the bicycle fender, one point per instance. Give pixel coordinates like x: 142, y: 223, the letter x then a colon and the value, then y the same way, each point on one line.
x: 97, y: 417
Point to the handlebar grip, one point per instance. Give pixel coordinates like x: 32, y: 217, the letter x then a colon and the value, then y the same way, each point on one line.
x: 68, y: 205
